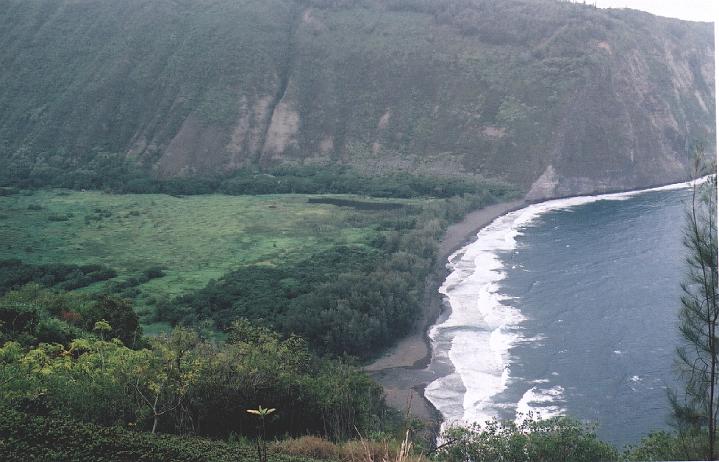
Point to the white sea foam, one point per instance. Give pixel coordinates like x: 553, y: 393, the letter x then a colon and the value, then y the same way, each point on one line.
x: 482, y: 328
x: 540, y: 403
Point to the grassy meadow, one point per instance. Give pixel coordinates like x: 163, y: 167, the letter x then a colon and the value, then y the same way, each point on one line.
x: 193, y: 239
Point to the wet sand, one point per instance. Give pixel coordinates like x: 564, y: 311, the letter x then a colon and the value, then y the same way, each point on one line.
x: 403, y: 370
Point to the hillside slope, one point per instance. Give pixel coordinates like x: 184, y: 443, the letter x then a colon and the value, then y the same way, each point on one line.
x: 554, y: 97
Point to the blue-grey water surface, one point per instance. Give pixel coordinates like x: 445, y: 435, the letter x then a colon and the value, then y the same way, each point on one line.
x: 598, y: 286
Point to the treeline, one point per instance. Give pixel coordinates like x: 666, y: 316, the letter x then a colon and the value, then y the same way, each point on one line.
x: 115, y: 173
x: 179, y: 383
x: 346, y: 300
x: 15, y: 274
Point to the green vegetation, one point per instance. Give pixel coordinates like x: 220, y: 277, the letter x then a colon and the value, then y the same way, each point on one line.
x: 696, y: 404
x: 555, y: 439
x: 560, y: 439
x: 34, y: 315
x: 115, y: 173
x: 58, y: 392
x: 456, y: 87
x: 314, y: 277
x: 26, y: 437
x: 56, y: 396
x: 344, y: 272
x: 176, y: 383
x: 262, y: 413
x: 14, y: 274
x: 87, y: 397
x: 684, y: 445
x: 292, y: 164
x: 192, y: 239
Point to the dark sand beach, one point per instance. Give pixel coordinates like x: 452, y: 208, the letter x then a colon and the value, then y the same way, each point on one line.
x: 403, y: 370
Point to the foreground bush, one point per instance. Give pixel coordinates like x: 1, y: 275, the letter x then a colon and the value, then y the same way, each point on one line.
x: 25, y: 438
x: 555, y: 439
x: 358, y: 450
x: 308, y: 446
x: 184, y: 384
x: 670, y: 446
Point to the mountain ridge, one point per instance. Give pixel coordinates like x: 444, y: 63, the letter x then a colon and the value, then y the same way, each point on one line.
x: 556, y: 98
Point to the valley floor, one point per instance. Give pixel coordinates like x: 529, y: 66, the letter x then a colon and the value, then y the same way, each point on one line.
x: 193, y: 239
x: 198, y: 238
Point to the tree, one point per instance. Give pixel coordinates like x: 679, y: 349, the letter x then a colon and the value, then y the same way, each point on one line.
x: 119, y: 314
x: 17, y: 320
x: 695, y: 408
x: 164, y: 375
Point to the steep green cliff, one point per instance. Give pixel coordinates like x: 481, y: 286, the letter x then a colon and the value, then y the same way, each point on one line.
x: 554, y: 97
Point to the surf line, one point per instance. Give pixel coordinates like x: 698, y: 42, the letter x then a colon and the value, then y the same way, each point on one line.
x: 477, y: 336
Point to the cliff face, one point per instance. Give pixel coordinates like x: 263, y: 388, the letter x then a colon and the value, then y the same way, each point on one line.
x: 557, y: 98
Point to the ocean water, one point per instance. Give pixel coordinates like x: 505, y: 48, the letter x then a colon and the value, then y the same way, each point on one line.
x: 566, y: 307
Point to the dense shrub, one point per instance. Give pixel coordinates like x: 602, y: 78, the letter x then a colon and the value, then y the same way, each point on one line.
x: 183, y: 384
x: 689, y: 445
x: 555, y: 439
x: 34, y: 314
x: 53, y: 330
x: 119, y: 313
x: 345, y: 300
x: 341, y: 180
x: 356, y: 450
x: 14, y: 274
x: 308, y: 446
x: 26, y: 438
x: 128, y: 287
x: 18, y: 321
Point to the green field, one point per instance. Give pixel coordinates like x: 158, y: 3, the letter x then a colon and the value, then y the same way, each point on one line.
x: 194, y: 239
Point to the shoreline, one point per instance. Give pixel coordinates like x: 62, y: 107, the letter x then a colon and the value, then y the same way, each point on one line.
x: 403, y: 369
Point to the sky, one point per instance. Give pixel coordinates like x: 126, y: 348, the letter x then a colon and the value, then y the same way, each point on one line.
x: 692, y: 10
